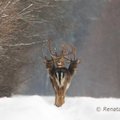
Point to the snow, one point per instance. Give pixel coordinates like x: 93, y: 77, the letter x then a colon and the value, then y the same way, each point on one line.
x: 43, y: 108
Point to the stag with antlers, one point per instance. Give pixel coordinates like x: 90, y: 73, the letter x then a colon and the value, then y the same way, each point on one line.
x: 60, y: 75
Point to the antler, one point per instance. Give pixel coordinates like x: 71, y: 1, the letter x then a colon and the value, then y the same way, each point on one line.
x: 67, y: 54
x: 53, y: 54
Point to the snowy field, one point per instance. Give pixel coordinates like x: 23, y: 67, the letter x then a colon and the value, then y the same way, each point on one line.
x: 75, y: 108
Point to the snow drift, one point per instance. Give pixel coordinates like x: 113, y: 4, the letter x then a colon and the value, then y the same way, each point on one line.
x: 75, y: 108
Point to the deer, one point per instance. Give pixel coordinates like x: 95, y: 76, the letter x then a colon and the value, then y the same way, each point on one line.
x: 60, y: 75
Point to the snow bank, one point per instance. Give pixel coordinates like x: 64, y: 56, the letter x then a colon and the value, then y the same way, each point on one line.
x: 75, y: 108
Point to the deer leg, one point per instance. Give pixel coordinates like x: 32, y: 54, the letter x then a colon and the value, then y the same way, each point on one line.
x: 59, y: 99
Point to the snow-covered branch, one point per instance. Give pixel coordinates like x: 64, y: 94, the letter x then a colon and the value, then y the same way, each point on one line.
x: 23, y: 44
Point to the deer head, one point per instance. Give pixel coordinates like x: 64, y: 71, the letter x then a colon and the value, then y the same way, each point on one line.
x: 60, y: 75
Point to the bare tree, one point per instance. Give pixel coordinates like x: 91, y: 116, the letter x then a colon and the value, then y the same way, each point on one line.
x: 16, y: 38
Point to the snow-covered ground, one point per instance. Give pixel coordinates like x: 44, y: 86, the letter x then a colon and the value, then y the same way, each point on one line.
x: 75, y: 108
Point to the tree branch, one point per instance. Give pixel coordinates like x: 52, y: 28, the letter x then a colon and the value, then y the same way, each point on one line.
x: 23, y: 44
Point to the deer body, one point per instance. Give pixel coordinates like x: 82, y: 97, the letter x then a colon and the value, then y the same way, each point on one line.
x: 60, y: 76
